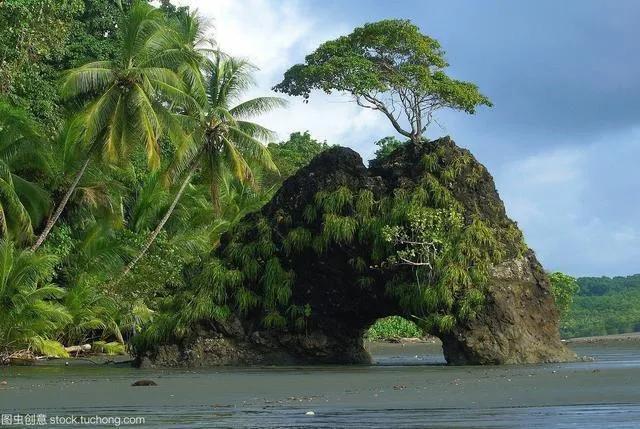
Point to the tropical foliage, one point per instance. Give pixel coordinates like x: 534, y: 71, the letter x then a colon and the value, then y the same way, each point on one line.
x: 224, y: 141
x: 121, y: 126
x: 563, y: 287
x: 31, y: 317
x: 393, y: 328
x: 23, y: 203
x: 292, y: 154
x: 386, y: 145
x: 124, y: 101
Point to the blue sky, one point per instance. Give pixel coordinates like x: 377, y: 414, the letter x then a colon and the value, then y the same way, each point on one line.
x: 563, y: 139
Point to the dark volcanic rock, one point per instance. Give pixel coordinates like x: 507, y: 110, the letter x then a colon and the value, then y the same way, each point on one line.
x: 144, y: 383
x: 518, y: 323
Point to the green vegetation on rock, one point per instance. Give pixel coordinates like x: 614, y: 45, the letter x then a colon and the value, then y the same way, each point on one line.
x: 433, y: 252
x: 563, y: 287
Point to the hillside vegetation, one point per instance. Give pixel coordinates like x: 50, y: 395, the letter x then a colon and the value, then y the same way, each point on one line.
x: 603, y: 306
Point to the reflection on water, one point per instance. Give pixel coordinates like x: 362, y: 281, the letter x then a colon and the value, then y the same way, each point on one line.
x: 407, y: 387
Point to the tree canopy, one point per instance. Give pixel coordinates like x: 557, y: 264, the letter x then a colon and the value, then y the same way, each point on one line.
x: 563, y: 287
x: 292, y: 154
x: 388, y: 66
x: 603, y: 305
x: 386, y: 145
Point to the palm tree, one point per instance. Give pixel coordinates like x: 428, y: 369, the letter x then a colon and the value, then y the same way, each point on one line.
x: 31, y: 318
x: 128, y: 102
x: 225, y: 140
x: 22, y: 203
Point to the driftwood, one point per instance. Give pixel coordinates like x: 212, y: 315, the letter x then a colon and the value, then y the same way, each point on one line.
x: 78, y: 349
x: 20, y: 357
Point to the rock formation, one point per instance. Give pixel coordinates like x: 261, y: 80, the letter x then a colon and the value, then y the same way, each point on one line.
x: 337, y: 283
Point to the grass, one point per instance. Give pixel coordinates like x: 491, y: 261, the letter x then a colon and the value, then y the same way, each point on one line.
x: 391, y: 328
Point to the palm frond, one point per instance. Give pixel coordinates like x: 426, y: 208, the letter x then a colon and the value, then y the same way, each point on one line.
x: 237, y: 164
x: 252, y: 148
x: 257, y: 106
x: 256, y: 131
x: 88, y: 78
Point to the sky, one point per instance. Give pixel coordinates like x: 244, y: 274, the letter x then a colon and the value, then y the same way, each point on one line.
x: 562, y: 140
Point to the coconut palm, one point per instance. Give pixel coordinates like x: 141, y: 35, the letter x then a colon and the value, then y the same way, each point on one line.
x: 225, y: 140
x: 192, y: 33
x: 22, y: 203
x: 31, y: 318
x: 132, y: 101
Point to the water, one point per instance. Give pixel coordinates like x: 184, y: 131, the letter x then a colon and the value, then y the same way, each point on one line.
x: 407, y: 387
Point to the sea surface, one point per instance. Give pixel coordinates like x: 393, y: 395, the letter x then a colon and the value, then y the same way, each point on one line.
x: 408, y: 386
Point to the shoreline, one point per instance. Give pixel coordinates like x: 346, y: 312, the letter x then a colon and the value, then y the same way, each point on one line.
x: 405, y: 340
x: 123, y: 360
x: 631, y: 336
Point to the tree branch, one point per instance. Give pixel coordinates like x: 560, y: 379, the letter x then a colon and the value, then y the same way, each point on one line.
x: 381, y: 107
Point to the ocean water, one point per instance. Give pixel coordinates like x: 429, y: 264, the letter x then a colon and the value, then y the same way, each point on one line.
x: 407, y: 387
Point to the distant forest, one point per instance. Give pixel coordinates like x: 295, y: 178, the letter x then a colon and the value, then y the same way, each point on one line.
x: 604, y: 306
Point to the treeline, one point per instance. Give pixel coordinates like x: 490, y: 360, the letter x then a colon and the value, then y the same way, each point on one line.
x: 604, y: 306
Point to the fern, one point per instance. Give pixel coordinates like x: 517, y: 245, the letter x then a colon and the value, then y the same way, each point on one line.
x: 296, y: 240
x: 358, y: 264
x: 110, y: 348
x: 251, y: 270
x: 334, y: 202
x: 320, y: 244
x: 430, y: 162
x: 246, y: 300
x: 277, y: 283
x: 339, y: 229
x: 364, y: 282
x: 365, y: 203
x: 446, y: 323
x: 274, y: 319
x: 48, y: 347
x: 309, y: 214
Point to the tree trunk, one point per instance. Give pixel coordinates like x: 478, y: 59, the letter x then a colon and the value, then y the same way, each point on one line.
x: 152, y: 237
x: 54, y: 218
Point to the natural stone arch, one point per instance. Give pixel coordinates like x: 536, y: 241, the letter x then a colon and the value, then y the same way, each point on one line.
x: 517, y: 323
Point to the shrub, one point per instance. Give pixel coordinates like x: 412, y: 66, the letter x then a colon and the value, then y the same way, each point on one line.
x: 393, y: 327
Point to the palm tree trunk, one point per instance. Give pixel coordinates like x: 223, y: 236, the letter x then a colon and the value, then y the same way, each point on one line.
x: 152, y: 237
x: 63, y: 203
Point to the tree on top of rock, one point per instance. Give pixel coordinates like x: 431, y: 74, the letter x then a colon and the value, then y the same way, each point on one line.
x: 389, y: 66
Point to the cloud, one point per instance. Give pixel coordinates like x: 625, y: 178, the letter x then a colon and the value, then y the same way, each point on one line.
x: 263, y: 31
x: 573, y: 204
x: 274, y: 35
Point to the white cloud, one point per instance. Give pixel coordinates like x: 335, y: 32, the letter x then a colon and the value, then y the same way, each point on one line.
x: 274, y: 35
x: 261, y: 30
